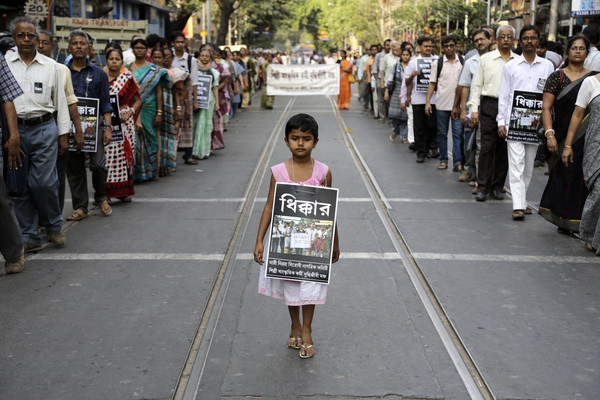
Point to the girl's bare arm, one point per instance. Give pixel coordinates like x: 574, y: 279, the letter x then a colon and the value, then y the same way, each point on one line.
x: 263, y: 226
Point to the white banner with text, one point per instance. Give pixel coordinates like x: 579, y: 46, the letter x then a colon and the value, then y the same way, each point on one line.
x: 303, y: 80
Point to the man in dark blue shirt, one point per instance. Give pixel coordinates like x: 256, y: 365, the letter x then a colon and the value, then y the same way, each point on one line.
x: 89, y: 81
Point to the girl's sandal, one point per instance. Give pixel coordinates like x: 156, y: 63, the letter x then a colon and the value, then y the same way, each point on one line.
x: 294, y: 342
x: 308, y: 351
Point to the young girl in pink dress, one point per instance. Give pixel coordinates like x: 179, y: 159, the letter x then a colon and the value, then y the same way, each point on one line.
x: 301, y: 137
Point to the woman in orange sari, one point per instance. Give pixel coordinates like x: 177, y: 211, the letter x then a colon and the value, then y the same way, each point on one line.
x: 345, y: 91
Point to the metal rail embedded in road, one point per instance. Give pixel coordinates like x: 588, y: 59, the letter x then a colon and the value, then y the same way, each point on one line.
x: 193, y: 369
x: 469, y: 373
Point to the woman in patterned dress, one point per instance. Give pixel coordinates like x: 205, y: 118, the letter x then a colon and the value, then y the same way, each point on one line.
x: 151, y: 78
x: 119, y: 156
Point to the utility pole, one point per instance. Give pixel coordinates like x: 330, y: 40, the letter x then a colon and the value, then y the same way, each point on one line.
x: 532, y: 12
x: 553, y: 25
x: 208, y: 35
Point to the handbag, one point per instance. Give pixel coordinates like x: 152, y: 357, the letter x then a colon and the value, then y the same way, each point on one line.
x: 351, y: 79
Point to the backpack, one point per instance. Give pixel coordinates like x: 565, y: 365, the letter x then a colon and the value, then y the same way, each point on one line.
x: 440, y: 65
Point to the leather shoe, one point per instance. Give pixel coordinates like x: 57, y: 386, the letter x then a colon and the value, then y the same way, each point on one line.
x: 496, y: 195
x: 480, y: 196
x: 420, y: 159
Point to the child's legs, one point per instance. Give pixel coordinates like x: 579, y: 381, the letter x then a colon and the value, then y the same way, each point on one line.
x: 308, y: 311
x: 296, y: 324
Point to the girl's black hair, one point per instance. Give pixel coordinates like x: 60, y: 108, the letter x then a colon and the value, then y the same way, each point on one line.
x: 304, y: 123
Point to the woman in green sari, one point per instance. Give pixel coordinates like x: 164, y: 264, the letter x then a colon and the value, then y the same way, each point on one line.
x: 151, y: 78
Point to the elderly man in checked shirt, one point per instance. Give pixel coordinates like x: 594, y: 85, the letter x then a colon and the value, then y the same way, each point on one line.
x: 42, y: 138
x: 11, y: 241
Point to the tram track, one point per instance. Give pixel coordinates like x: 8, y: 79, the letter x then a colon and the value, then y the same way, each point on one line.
x: 193, y: 369
x: 464, y: 364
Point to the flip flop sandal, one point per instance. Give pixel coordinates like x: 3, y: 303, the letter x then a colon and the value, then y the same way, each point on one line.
x: 528, y: 211
x: 589, y: 246
x: 518, y: 215
x: 306, y: 348
x: 77, y: 215
x: 294, y: 342
x: 443, y: 165
x: 392, y: 138
x: 105, y: 208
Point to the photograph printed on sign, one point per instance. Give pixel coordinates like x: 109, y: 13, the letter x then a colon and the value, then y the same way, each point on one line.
x: 88, y: 115
x: 525, y: 117
x: 302, y: 232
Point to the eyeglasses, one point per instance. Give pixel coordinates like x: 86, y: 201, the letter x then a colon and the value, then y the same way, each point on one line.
x: 45, y: 43
x: 168, y: 56
x: 505, y: 37
x: 23, y: 35
x: 449, y: 45
x: 529, y: 39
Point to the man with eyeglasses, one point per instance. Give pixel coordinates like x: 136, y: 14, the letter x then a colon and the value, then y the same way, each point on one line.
x: 42, y: 137
x: 417, y: 82
x: 527, y: 72
x: 481, y: 39
x: 46, y: 47
x: 185, y: 62
x: 445, y: 72
x: 493, y: 157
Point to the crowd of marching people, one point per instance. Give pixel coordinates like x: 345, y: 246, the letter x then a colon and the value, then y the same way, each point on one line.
x: 155, y: 99
x: 124, y: 117
x: 425, y: 97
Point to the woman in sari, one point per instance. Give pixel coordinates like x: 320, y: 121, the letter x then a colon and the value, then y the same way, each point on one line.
x: 398, y: 113
x: 119, y: 155
x: 588, y: 98
x: 266, y: 101
x: 151, y: 78
x: 167, y: 161
x: 222, y: 107
x: 203, y: 118
x: 346, y: 67
x: 178, y: 79
x: 565, y: 194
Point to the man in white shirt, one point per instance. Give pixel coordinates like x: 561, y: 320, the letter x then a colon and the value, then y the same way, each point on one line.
x: 493, y: 158
x: 527, y: 72
x: 417, y: 81
x: 42, y: 138
x: 592, y: 61
x: 481, y: 39
x: 449, y: 67
x: 380, y: 82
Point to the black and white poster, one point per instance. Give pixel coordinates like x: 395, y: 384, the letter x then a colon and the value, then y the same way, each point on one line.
x: 115, y: 118
x: 88, y: 114
x: 205, y: 82
x: 525, y: 117
x: 301, y: 233
x: 424, y: 68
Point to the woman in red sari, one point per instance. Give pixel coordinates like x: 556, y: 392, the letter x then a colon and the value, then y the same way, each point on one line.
x: 346, y: 67
x: 119, y: 156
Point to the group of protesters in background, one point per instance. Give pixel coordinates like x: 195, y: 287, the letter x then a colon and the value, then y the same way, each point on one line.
x: 423, y: 97
x: 172, y: 101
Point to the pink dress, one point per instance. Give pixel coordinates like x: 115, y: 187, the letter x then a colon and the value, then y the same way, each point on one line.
x: 294, y: 293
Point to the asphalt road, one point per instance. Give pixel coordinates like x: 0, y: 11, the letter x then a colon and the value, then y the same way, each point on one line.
x: 113, y: 315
